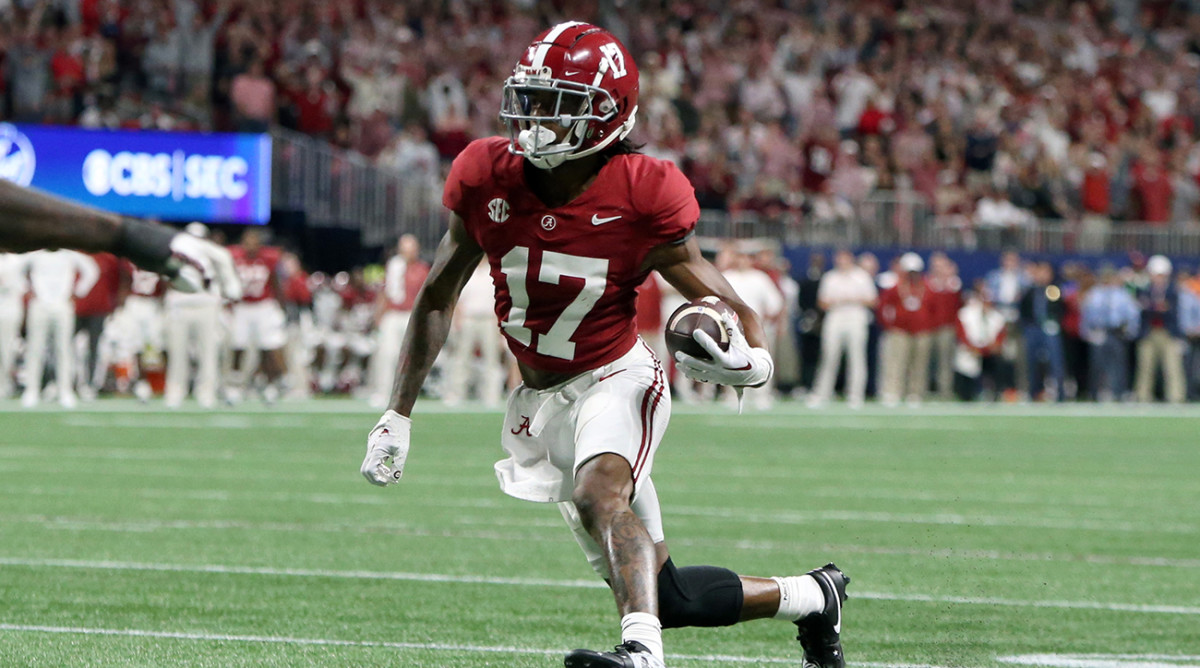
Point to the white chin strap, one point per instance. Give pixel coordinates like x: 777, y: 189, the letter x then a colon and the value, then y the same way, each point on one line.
x: 536, y: 139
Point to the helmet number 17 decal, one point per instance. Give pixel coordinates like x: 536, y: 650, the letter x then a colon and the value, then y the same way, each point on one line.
x: 616, y: 59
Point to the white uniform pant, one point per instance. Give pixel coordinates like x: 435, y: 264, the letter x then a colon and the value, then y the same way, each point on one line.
x: 621, y: 408
x: 193, y: 328
x: 11, y: 313
x: 477, y: 332
x: 843, y: 331
x: 48, y: 319
x: 392, y: 326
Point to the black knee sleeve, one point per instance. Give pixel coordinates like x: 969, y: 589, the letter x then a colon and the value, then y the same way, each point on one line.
x: 698, y: 596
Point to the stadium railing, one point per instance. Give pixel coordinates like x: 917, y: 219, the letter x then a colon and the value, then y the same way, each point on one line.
x: 336, y: 188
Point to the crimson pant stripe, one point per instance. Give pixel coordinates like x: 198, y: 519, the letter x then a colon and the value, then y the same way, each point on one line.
x: 656, y: 389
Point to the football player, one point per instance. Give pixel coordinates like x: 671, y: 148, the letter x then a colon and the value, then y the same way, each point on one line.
x: 259, y: 322
x: 571, y: 220
x: 30, y: 219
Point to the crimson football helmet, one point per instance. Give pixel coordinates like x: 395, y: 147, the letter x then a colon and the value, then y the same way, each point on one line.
x: 578, y: 76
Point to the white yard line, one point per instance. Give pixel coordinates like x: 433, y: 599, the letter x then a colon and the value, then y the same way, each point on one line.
x: 437, y: 647
x: 1103, y: 660
x: 547, y: 582
x: 554, y: 535
x: 790, y: 517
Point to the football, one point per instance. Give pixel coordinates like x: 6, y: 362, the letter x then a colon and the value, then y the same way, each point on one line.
x: 701, y: 314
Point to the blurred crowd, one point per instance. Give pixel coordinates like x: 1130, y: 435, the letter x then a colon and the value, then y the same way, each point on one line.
x: 73, y: 326
x: 994, y: 113
x: 1027, y: 331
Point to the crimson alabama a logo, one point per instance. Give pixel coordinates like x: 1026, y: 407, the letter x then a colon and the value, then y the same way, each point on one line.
x: 523, y: 427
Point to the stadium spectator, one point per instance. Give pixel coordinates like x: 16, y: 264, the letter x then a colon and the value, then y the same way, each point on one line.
x: 980, y: 330
x: 1159, y: 346
x: 847, y: 295
x: 1077, y: 281
x: 808, y: 323
x: 1111, y: 318
x: 1188, y: 287
x: 906, y: 316
x: 253, y: 96
x: 1041, y: 312
x: 1007, y: 283
x: 1095, y: 201
x: 945, y: 301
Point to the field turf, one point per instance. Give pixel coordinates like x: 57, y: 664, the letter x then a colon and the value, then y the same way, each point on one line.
x: 975, y: 537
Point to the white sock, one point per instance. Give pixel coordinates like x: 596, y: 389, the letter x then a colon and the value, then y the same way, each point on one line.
x: 644, y: 628
x: 799, y: 596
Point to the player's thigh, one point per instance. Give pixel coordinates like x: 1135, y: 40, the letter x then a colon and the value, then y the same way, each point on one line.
x: 626, y: 415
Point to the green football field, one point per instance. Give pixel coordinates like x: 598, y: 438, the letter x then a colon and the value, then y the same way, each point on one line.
x: 977, y: 537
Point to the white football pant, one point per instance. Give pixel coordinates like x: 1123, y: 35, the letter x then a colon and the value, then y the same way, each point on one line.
x: 481, y: 333
x: 48, y: 319
x: 844, y: 331
x: 390, y: 336
x: 193, y: 328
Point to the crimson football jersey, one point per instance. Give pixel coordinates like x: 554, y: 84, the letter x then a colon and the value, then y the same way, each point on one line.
x: 257, y: 273
x: 566, y: 278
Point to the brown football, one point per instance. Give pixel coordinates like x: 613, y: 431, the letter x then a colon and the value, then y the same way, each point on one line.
x: 701, y: 314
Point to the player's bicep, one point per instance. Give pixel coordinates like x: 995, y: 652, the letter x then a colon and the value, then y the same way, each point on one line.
x: 456, y: 257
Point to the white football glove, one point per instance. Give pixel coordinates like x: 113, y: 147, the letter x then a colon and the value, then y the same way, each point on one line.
x: 198, y: 262
x: 740, y: 366
x: 387, y: 441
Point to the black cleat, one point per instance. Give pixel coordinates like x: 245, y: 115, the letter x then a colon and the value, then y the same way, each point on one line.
x: 631, y: 654
x: 820, y: 632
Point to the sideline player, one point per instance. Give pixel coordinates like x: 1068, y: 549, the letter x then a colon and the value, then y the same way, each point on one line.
x: 571, y: 220
x: 30, y: 219
x: 259, y: 322
x: 403, y: 277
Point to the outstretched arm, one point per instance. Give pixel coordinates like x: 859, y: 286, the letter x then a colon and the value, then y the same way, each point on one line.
x: 456, y: 258
x: 387, y: 444
x: 31, y: 219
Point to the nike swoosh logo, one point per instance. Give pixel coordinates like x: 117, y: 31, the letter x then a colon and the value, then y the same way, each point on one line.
x: 597, y: 220
x: 837, y: 626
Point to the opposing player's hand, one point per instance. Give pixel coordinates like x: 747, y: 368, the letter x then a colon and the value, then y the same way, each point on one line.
x: 740, y: 365
x: 196, y: 263
x: 387, y: 448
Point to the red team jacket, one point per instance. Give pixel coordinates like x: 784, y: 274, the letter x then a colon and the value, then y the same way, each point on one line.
x: 905, y: 309
x: 566, y: 278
